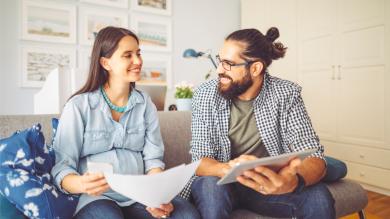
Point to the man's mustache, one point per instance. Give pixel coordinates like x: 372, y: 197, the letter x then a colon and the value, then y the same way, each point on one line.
x: 223, y: 75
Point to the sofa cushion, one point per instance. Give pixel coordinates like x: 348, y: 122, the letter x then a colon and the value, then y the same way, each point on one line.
x: 25, y: 178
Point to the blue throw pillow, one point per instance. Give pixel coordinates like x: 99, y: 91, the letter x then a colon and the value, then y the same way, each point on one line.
x: 54, y: 126
x: 25, y: 178
x: 8, y: 210
x: 336, y: 169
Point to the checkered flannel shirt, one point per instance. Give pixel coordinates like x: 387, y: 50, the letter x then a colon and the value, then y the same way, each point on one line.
x: 281, y: 120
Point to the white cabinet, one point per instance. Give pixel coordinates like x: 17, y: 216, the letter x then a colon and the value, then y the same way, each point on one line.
x: 341, y: 65
x: 342, y: 62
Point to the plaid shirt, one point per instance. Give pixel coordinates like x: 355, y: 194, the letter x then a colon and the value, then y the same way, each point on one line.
x: 280, y: 114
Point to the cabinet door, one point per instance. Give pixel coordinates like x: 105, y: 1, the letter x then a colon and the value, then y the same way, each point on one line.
x: 318, y: 94
x: 361, y: 73
x: 316, y: 63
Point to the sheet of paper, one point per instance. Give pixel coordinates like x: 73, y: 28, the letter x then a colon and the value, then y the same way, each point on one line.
x: 153, y: 190
x: 98, y: 167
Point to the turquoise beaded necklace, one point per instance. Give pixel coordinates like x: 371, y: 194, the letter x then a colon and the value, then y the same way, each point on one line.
x: 110, y: 104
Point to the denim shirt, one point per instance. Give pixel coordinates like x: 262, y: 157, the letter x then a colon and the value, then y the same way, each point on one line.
x: 87, y: 132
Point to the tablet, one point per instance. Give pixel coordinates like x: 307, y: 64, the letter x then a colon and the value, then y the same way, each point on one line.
x: 274, y: 162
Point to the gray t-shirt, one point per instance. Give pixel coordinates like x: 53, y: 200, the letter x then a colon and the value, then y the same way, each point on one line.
x: 243, y: 133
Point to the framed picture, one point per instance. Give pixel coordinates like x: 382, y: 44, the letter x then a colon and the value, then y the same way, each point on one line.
x: 163, y: 7
x: 48, y: 21
x: 155, y: 33
x: 110, y: 3
x: 93, y: 20
x: 38, y: 62
x: 156, y: 70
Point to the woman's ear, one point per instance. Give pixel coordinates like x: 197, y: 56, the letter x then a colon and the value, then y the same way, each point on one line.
x: 257, y: 68
x: 105, y: 63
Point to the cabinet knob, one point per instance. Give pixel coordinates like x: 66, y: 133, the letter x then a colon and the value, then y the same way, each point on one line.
x: 339, y: 71
x: 362, y: 174
x: 333, y: 72
x: 361, y: 156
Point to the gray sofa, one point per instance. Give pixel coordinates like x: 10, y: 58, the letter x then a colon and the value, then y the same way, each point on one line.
x: 350, y: 197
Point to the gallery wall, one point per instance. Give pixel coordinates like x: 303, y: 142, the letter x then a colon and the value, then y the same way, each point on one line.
x: 198, y: 24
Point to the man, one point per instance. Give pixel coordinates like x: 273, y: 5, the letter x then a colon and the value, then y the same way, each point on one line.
x: 248, y: 114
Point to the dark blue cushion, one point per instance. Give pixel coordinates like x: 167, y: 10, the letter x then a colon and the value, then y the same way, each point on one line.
x: 25, y: 178
x: 8, y: 210
x: 336, y: 169
x: 54, y: 126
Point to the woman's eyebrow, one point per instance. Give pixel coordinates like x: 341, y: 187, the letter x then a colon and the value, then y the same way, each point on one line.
x: 131, y: 51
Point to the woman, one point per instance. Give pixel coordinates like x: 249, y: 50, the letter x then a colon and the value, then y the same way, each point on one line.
x: 109, y: 121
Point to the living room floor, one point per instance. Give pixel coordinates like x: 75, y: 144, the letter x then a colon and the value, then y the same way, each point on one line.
x: 378, y: 207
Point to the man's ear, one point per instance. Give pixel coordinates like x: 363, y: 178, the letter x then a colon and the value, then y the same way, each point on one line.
x: 105, y: 63
x: 257, y: 68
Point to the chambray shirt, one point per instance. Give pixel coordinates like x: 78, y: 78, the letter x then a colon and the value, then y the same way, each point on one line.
x: 87, y: 132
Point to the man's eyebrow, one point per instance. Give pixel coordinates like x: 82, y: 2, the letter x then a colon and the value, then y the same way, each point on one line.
x: 228, y: 61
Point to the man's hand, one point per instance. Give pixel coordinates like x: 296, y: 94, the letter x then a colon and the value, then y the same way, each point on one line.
x: 162, y: 212
x: 265, y: 180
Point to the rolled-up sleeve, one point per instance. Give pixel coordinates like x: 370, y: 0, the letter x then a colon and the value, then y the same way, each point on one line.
x: 153, y: 151
x: 301, y: 134
x: 68, y: 143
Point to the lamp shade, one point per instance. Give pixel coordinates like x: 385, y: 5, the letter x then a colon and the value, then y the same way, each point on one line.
x: 191, y: 53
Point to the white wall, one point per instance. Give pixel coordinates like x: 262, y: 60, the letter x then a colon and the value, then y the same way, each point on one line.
x: 201, y: 25
x: 15, y: 100
x: 263, y: 14
x: 2, y: 30
x: 198, y: 24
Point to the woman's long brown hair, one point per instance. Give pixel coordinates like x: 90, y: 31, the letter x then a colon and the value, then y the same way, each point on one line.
x: 106, y: 43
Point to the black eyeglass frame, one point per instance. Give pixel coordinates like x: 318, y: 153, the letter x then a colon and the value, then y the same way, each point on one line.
x: 224, y: 63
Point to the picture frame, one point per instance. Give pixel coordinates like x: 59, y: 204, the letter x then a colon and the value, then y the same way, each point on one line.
x: 154, y: 33
x: 110, y: 3
x: 95, y: 19
x: 39, y: 61
x: 156, y: 70
x: 48, y: 21
x: 161, y: 7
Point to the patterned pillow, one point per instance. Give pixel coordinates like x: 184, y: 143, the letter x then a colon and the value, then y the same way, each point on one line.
x: 8, y: 210
x: 54, y: 126
x: 25, y: 178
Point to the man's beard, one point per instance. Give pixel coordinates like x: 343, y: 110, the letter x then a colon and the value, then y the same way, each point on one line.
x: 236, y: 88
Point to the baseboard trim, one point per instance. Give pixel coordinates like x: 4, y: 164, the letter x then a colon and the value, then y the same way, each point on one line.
x: 375, y: 189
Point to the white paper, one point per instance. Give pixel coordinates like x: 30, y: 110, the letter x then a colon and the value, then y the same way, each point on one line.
x: 98, y: 167
x: 156, y: 189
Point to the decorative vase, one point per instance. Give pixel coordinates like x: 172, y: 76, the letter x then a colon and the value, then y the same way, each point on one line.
x: 184, y: 104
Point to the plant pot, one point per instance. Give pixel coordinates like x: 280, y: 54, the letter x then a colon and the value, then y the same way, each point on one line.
x: 184, y: 104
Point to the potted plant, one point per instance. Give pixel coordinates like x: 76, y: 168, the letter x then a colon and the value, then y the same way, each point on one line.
x: 183, y: 95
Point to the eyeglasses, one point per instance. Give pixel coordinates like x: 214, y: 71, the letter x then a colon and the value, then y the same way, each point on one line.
x: 228, y: 66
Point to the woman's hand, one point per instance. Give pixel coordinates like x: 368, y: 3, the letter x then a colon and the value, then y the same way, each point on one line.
x: 155, y: 170
x: 162, y: 212
x: 93, y: 184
